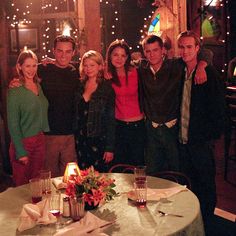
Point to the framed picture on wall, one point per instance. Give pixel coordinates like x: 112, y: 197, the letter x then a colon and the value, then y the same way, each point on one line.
x: 27, y: 38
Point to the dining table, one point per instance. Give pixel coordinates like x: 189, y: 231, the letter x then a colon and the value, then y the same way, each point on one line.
x: 128, y: 219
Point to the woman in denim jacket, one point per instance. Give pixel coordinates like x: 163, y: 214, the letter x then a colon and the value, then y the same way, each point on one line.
x: 95, y: 122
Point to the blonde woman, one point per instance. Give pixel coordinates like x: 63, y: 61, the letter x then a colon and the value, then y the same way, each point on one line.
x: 27, y: 120
x: 95, y: 123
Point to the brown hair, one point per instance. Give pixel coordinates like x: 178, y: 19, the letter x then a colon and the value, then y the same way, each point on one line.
x: 64, y: 39
x: 118, y: 44
x: 20, y: 61
x: 95, y: 56
x: 189, y: 33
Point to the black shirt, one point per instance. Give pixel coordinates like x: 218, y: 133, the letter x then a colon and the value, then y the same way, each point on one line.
x: 59, y: 86
x: 160, y: 92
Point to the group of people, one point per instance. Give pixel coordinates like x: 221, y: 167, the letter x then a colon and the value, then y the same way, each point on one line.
x: 163, y: 113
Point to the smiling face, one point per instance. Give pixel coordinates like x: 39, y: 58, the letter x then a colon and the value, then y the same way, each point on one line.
x: 91, y: 68
x: 153, y: 52
x: 188, y: 49
x: 63, y: 53
x: 28, y: 69
x: 118, y: 58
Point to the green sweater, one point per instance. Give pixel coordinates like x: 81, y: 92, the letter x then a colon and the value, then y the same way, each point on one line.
x: 27, y: 116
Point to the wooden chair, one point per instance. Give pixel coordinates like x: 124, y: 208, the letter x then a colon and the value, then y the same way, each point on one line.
x: 175, y: 176
x: 229, y: 130
x: 122, y: 168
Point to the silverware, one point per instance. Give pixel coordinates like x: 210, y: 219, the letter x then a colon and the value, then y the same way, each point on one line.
x: 168, y: 214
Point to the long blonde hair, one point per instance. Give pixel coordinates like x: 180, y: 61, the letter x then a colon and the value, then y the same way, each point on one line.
x: 20, y: 61
x: 95, y: 56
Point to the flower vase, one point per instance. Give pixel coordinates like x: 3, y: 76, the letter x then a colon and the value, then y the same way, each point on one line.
x: 90, y: 207
x: 77, y: 208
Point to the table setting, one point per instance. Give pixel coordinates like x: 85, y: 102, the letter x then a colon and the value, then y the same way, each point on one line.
x: 93, y: 203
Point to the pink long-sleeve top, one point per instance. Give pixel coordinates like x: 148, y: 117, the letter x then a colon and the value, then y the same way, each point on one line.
x: 127, y: 102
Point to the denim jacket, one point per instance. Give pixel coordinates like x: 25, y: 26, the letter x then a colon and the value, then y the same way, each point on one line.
x: 101, y: 113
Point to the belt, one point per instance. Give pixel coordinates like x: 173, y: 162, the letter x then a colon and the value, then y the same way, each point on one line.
x: 169, y: 124
x: 129, y: 123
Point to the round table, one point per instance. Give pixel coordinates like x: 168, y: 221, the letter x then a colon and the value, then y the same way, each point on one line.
x: 130, y: 220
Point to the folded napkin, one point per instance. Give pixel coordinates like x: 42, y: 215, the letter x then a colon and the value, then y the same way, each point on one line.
x: 33, y: 214
x: 58, y: 183
x: 157, y: 194
x: 88, y: 225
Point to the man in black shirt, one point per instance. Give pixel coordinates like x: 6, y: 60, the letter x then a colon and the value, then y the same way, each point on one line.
x: 59, y: 83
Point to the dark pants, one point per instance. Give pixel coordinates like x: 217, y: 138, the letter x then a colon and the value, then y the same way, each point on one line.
x: 130, y: 142
x: 197, y: 161
x: 162, y: 151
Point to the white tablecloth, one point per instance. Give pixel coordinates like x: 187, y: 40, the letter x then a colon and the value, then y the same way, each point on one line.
x: 129, y: 219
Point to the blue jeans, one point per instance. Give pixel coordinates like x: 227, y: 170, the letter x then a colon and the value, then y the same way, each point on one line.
x: 162, y: 149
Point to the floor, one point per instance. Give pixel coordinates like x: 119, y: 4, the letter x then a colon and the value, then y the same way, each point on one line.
x: 226, y: 190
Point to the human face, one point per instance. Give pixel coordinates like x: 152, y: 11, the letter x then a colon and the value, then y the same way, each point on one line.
x: 153, y: 52
x: 91, y: 68
x: 63, y: 53
x: 29, y: 68
x: 118, y: 58
x: 188, y: 49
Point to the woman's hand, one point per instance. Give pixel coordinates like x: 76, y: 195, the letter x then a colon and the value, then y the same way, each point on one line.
x: 24, y: 160
x: 108, y: 157
x: 107, y: 75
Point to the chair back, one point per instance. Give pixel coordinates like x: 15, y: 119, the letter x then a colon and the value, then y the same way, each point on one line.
x: 122, y: 168
x: 231, y: 108
x: 175, y: 176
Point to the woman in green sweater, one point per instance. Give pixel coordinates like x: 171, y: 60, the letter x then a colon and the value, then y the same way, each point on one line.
x: 27, y: 120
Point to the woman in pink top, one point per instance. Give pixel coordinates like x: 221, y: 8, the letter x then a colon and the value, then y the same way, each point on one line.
x: 130, y: 129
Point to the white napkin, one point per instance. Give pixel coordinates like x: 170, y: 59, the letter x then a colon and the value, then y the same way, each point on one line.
x: 157, y: 194
x: 89, y: 225
x: 33, y: 214
x: 58, y: 183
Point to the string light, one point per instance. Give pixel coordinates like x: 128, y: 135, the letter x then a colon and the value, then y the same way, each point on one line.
x: 20, y: 16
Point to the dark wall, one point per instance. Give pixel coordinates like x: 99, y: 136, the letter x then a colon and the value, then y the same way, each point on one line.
x: 232, y: 13
x: 131, y: 16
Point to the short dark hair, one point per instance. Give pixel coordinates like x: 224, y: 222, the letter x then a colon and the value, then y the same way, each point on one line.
x: 152, y: 38
x: 189, y: 33
x: 64, y: 39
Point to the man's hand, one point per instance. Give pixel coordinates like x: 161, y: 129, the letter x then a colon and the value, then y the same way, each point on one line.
x: 15, y: 83
x: 24, y: 160
x: 108, y: 157
x: 200, y: 76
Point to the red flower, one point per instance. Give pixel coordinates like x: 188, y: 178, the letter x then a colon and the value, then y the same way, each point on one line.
x: 93, y: 186
x: 70, y: 190
x: 98, y: 195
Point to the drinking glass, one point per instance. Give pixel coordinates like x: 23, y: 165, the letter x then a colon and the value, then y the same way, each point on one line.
x: 140, y: 187
x: 45, y: 176
x: 36, y: 189
x: 140, y: 173
x: 55, y: 201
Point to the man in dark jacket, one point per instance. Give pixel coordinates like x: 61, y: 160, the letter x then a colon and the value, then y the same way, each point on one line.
x: 201, y: 121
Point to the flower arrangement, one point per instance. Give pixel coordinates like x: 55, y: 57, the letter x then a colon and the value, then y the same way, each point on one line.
x: 94, y: 187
